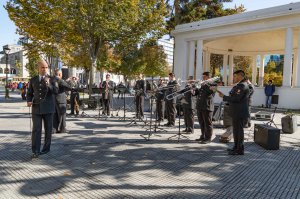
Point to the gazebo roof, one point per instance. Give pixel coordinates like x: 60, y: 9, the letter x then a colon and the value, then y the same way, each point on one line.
x: 267, y: 13
x: 261, y: 31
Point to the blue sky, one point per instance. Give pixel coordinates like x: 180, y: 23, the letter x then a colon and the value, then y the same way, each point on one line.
x: 8, y: 29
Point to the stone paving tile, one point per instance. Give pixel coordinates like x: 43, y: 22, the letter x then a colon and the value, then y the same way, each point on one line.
x: 109, y: 159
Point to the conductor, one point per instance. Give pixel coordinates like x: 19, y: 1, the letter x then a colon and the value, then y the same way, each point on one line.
x: 40, y: 97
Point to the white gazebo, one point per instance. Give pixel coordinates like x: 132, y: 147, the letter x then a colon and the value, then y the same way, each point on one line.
x: 263, y: 32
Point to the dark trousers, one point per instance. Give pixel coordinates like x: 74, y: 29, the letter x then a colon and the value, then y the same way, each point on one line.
x: 139, y: 105
x: 106, y: 104
x: 160, y: 109
x: 74, y: 96
x: 59, y: 117
x: 36, y: 135
x: 238, y: 133
x: 205, y: 121
x: 188, y: 118
x: 171, y: 112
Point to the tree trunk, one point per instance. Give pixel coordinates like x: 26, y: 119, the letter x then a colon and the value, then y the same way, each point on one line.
x: 92, y: 76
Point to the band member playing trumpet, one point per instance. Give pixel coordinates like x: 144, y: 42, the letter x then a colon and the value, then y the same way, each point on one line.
x: 188, y: 108
x: 171, y: 103
x: 139, y: 96
x: 205, y: 107
x: 107, y: 94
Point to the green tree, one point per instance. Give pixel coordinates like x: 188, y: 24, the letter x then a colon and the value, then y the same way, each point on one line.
x: 270, y: 67
x: 80, y: 26
x: 186, y: 11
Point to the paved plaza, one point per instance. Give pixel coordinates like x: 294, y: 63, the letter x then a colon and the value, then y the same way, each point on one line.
x: 109, y: 159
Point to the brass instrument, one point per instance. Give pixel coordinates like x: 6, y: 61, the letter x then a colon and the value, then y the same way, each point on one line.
x: 194, y: 84
x: 76, y: 106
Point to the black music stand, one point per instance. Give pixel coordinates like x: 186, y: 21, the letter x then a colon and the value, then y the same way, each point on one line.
x: 136, y: 118
x: 83, y: 113
x: 122, y: 90
x: 152, y: 132
x: 272, y: 118
x: 98, y: 91
x: 179, y: 134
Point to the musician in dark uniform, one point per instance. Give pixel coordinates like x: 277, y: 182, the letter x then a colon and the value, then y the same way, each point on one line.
x: 108, y: 87
x: 41, y: 97
x: 160, y: 103
x: 171, y: 104
x: 74, y: 99
x: 139, y: 96
x: 188, y: 107
x: 205, y: 107
x: 239, y: 107
x: 59, y: 118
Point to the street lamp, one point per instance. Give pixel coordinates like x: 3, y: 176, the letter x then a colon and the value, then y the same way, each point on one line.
x: 6, y: 50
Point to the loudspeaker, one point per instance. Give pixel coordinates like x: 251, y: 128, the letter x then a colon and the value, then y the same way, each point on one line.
x: 289, y: 124
x: 65, y: 73
x: 275, y: 99
x: 267, y: 136
x: 227, y: 120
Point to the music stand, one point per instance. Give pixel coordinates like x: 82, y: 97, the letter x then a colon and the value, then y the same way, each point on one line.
x: 179, y: 134
x: 272, y: 118
x: 151, y: 133
x: 140, y: 119
x: 98, y: 91
x: 83, y: 113
x: 123, y: 90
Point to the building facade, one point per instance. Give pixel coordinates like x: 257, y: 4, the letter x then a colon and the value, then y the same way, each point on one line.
x: 254, y: 34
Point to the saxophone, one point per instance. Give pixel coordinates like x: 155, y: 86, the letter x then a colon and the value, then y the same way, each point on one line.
x: 76, y: 103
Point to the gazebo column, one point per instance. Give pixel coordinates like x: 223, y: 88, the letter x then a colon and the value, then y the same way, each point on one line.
x: 207, y: 62
x: 191, y: 58
x: 230, y: 79
x: 185, y: 59
x: 199, y: 62
x: 261, y: 70
x: 297, y: 80
x: 254, y: 69
x: 294, y: 75
x: 287, y: 66
x: 225, y: 63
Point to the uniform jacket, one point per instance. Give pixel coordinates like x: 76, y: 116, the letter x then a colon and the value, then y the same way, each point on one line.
x: 42, y: 95
x: 238, y: 100
x: 205, y: 98
x: 107, y: 89
x: 63, y: 86
x: 173, y: 87
x: 160, y: 95
x: 140, y: 88
x: 188, y: 98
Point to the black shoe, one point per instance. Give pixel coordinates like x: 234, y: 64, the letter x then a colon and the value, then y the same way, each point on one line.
x: 236, y: 152
x: 185, y: 130
x: 45, y: 152
x: 200, y: 139
x: 64, y: 131
x: 189, y: 132
x: 206, y: 141
x: 231, y: 149
x: 167, y: 124
x: 35, y: 155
